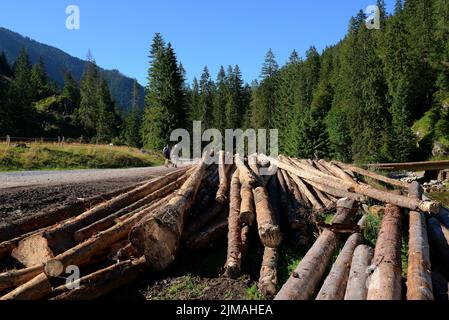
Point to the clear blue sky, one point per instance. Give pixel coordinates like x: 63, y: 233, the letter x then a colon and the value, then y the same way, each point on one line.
x: 203, y: 32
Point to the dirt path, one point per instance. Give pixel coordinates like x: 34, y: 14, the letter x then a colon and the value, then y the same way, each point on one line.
x: 45, y: 178
x: 26, y: 193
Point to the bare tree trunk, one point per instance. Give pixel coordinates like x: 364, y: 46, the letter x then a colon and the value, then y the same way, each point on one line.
x: 234, y: 259
x: 365, y: 190
x: 357, y: 288
x: 373, y: 175
x: 386, y: 280
x: 158, y: 236
x: 268, y: 274
x: 223, y: 170
x: 334, y: 286
x: 419, y: 278
x: 103, y: 281
x: 310, y: 271
x: 439, y: 236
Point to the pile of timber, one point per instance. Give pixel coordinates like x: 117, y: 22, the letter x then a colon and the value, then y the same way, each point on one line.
x: 114, y: 238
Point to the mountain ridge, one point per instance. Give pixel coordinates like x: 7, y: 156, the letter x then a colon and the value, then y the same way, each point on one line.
x: 58, y: 61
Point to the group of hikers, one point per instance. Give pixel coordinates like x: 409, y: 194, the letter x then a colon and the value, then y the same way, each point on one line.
x: 171, y: 156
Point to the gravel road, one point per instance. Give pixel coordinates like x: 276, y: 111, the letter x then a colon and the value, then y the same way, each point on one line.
x: 26, y: 193
x: 47, y: 178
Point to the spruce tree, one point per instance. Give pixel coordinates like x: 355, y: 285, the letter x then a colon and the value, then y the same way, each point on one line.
x: 39, y: 80
x: 71, y: 90
x: 207, y: 89
x: 106, y: 122
x: 165, y: 103
x: 90, y: 96
x: 220, y: 100
x: 132, y: 122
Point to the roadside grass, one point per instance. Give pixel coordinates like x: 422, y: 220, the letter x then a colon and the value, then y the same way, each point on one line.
x: 73, y: 156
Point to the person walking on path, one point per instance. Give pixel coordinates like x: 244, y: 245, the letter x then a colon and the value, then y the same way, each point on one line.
x: 175, y: 156
x: 167, y: 154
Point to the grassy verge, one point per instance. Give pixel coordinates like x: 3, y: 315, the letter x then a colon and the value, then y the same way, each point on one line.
x: 55, y: 157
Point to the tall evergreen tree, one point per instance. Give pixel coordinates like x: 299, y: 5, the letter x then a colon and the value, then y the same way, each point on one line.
x: 165, y: 103
x: 106, y: 125
x: 207, y: 89
x: 220, y: 100
x: 71, y: 89
x: 132, y: 122
x: 87, y: 112
x: 39, y: 80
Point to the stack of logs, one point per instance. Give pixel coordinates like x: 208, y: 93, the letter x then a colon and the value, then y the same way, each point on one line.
x: 114, y: 238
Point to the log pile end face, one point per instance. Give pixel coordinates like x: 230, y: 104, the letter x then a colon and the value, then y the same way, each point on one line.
x: 157, y: 238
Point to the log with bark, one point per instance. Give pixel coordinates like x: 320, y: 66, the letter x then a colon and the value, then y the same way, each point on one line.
x: 365, y: 190
x: 386, y: 279
x: 223, y: 170
x: 50, y: 217
x: 101, y: 282
x: 419, y: 278
x: 357, y: 288
x: 157, y: 238
x: 439, y: 236
x: 268, y: 280
x: 334, y: 286
x: 304, y: 281
x: 234, y: 258
x: 61, y: 236
x: 373, y: 175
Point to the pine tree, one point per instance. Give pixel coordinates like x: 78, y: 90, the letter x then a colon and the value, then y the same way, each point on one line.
x: 87, y: 112
x: 270, y: 66
x: 106, y: 122
x: 21, y: 97
x: 263, y: 104
x: 220, y: 100
x: 313, y: 138
x: 39, y: 80
x: 132, y: 122
x: 207, y: 88
x: 165, y: 103
x: 194, y: 102
x: 403, y: 141
x: 71, y: 90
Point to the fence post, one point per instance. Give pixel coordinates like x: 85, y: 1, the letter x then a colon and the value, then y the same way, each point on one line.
x: 63, y: 141
x: 8, y: 140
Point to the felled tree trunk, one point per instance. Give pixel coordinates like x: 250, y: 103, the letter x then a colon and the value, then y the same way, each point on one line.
x: 47, y: 218
x: 365, y: 190
x: 386, y: 280
x: 268, y: 274
x: 357, y: 288
x: 223, y: 170
x: 110, y: 220
x: 158, y: 236
x: 234, y: 259
x: 14, y: 278
x: 439, y: 236
x: 337, y: 171
x: 103, y: 281
x: 310, y: 271
x: 207, y: 235
x: 419, y: 279
x: 64, y: 231
x: 34, y: 289
x: 373, y: 175
x: 334, y: 286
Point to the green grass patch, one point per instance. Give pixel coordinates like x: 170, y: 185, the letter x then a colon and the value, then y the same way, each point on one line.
x: 289, y: 258
x: 55, y: 157
x: 254, y: 294
x: 372, y: 228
